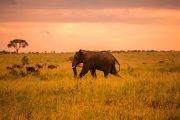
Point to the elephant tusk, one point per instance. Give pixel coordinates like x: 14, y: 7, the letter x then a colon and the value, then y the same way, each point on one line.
x: 73, y: 67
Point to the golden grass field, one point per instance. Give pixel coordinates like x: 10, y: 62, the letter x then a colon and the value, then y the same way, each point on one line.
x: 149, y: 88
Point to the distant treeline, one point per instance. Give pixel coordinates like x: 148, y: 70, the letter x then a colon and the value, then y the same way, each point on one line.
x: 114, y: 51
x: 121, y: 51
x: 45, y: 52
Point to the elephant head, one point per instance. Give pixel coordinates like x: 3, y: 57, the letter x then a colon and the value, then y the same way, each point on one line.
x: 78, y: 58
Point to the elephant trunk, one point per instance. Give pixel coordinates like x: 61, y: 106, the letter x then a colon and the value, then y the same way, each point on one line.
x: 74, y: 69
x: 75, y: 72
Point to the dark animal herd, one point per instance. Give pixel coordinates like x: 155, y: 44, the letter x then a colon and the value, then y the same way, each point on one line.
x: 88, y: 60
x: 32, y: 68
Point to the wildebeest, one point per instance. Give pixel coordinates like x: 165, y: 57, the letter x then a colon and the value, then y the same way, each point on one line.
x: 9, y: 68
x: 95, y: 60
x: 52, y: 66
x: 17, y: 66
x: 31, y: 69
x: 39, y: 66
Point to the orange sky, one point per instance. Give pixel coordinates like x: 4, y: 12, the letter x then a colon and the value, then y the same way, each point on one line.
x: 105, y: 26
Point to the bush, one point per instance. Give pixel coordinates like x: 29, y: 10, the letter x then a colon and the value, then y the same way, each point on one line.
x: 25, y: 60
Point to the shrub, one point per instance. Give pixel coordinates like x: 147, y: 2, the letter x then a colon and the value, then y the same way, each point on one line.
x: 25, y: 60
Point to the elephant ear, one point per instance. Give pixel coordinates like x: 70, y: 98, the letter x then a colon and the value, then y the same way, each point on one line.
x: 80, y: 52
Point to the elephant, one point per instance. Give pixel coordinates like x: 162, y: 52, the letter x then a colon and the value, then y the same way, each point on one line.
x: 95, y: 60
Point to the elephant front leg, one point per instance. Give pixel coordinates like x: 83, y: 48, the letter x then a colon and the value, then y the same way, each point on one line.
x: 84, y: 71
x: 114, y: 72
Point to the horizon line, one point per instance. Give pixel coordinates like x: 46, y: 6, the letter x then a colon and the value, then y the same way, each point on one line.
x: 115, y: 51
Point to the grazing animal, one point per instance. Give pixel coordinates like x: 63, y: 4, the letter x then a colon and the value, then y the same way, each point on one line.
x: 9, y: 68
x: 52, y: 66
x: 94, y: 60
x: 39, y: 66
x: 161, y: 62
x: 17, y: 66
x: 31, y: 69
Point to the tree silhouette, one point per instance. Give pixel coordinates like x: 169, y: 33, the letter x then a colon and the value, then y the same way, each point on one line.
x: 17, y: 44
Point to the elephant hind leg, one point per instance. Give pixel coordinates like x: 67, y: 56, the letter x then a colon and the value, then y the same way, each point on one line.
x: 107, y: 70
x: 106, y: 74
x: 114, y: 72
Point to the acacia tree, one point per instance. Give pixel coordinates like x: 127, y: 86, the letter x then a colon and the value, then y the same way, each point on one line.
x: 17, y: 44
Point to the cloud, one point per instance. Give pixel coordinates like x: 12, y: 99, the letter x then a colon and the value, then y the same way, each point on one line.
x: 8, y: 2
x: 124, y: 11
x: 133, y: 16
x: 92, y: 4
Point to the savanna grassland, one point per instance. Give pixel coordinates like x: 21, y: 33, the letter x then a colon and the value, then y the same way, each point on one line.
x: 149, y: 88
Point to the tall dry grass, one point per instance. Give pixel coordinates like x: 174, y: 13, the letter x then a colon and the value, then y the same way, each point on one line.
x: 147, y: 89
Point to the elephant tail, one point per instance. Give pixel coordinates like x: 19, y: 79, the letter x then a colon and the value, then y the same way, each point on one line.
x: 118, y: 64
x: 116, y: 61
